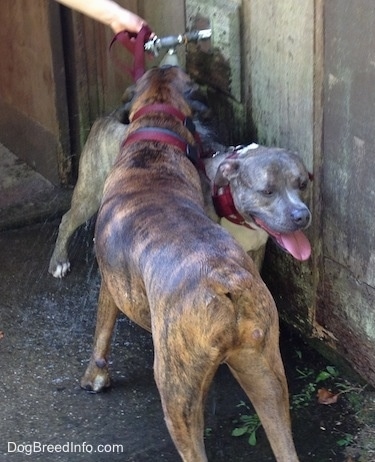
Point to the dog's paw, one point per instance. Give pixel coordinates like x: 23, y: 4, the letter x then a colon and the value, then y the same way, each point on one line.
x: 96, y: 379
x: 60, y: 269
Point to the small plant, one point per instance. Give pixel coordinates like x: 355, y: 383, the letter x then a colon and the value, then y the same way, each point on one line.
x: 208, y: 432
x: 347, y: 440
x: 304, y: 398
x: 304, y: 373
x: 247, y: 424
x: 328, y: 373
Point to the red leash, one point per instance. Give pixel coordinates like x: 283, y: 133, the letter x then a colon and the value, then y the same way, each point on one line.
x: 135, y: 44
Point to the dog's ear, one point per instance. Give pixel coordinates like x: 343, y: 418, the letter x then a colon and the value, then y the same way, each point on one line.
x: 128, y: 95
x: 227, y: 170
x: 127, y: 98
x: 122, y: 114
x: 198, y: 102
x: 201, y: 110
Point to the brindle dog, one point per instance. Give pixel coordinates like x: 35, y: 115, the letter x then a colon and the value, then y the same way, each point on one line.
x: 181, y: 276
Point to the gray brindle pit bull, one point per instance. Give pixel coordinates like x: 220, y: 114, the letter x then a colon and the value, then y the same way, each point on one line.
x: 185, y: 279
x: 264, y: 186
x: 257, y: 191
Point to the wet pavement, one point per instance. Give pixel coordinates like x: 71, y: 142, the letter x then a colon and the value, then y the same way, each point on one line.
x: 48, y: 327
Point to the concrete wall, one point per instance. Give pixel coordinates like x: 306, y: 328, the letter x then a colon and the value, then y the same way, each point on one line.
x: 281, y: 68
x: 347, y: 304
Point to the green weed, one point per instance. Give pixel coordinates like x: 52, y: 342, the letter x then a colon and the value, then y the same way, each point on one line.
x: 307, y: 393
x: 247, y: 424
x: 347, y: 440
x: 329, y: 372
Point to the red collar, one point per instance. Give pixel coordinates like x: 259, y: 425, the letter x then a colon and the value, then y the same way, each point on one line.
x: 224, y: 205
x: 171, y: 110
x: 164, y: 135
x: 159, y: 107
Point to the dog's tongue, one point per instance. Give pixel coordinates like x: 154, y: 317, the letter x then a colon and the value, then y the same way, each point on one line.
x: 295, y: 243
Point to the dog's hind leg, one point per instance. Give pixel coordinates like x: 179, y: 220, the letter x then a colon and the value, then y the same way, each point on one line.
x: 183, y: 404
x: 183, y: 381
x: 96, y: 377
x: 261, y: 375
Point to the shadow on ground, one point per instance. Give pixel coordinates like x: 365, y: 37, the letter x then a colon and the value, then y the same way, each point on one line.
x: 48, y: 327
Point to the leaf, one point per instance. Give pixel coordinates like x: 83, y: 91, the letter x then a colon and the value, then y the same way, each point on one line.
x: 326, y: 397
x: 346, y: 441
x: 324, y: 375
x: 343, y: 442
x: 332, y: 370
x: 253, y: 439
x: 242, y: 403
x: 239, y: 431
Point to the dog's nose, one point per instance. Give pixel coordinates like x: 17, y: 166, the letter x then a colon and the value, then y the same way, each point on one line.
x: 301, y: 217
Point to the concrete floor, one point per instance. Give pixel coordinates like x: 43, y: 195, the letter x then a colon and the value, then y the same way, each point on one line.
x: 48, y: 327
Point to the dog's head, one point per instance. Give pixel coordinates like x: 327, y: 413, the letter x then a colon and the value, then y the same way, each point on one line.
x: 267, y: 185
x: 167, y: 84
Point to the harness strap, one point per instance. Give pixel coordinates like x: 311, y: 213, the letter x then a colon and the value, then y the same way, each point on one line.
x: 163, y: 135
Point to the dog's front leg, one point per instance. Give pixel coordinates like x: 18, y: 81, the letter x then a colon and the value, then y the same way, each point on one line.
x: 261, y: 375
x: 78, y: 214
x: 96, y: 377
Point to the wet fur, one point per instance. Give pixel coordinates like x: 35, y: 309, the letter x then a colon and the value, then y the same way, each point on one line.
x: 176, y: 273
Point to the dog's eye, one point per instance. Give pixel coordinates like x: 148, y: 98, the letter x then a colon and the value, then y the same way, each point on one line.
x: 303, y: 185
x: 266, y: 192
